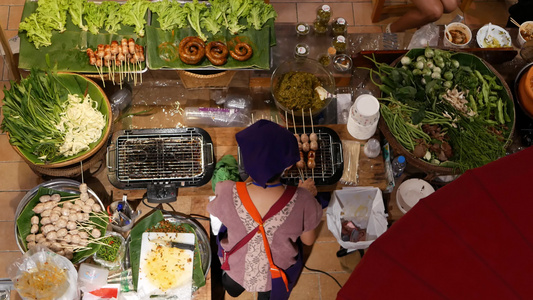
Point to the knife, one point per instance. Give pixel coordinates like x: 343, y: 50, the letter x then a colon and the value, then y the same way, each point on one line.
x: 172, y: 244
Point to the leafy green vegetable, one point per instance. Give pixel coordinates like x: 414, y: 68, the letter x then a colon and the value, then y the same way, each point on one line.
x: 94, y: 16
x: 38, y: 32
x: 76, y: 9
x: 260, y: 13
x: 111, y: 9
x: 133, y: 13
x: 170, y: 14
x: 54, y: 13
x: 195, y: 12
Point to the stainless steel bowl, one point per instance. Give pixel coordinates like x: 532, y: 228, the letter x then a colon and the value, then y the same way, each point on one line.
x: 63, y: 185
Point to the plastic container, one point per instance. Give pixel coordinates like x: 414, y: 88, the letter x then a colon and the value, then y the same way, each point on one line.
x: 302, y: 28
x: 91, y: 277
x: 301, y: 50
x: 320, y: 26
x: 323, y: 13
x: 339, y: 43
x: 214, y: 116
x: 453, y: 32
x: 339, y: 26
x: 398, y: 165
x: 372, y: 148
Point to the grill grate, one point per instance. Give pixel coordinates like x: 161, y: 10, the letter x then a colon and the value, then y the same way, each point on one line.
x: 181, y: 156
x: 325, y: 167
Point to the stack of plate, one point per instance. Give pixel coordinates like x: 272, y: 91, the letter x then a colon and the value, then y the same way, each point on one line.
x: 364, y: 117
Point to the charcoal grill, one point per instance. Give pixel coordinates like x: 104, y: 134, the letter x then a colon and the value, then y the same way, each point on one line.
x: 328, y: 159
x: 160, y: 160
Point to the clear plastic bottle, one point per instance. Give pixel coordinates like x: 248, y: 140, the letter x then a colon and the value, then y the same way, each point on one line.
x: 398, y: 165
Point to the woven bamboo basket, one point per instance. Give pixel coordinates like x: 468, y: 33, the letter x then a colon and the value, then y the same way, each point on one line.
x: 194, y: 80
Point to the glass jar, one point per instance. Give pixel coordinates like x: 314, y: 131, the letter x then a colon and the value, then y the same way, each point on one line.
x: 342, y: 62
x: 301, y: 50
x: 339, y: 26
x: 324, y: 59
x: 320, y: 26
x: 323, y: 13
x: 302, y: 28
x: 339, y: 43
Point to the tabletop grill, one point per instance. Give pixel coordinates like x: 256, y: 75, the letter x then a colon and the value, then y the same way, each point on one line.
x: 328, y: 159
x: 160, y: 160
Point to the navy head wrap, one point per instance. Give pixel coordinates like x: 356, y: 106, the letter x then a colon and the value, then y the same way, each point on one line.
x: 266, y: 150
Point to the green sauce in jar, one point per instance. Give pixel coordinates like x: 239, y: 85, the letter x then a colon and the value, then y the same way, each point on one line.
x: 339, y: 43
x: 320, y: 26
x: 339, y: 26
x: 323, y: 13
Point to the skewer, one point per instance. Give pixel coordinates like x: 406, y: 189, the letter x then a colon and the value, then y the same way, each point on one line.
x: 293, y: 121
x: 286, y: 123
x: 312, y: 125
x: 303, y: 120
x: 515, y: 22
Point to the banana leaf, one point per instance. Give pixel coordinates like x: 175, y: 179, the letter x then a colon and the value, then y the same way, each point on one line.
x: 162, y: 47
x: 77, y: 84
x: 68, y: 48
x: 24, y: 224
x: 135, y: 248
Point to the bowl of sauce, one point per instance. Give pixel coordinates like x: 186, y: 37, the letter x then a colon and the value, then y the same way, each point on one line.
x: 457, y: 35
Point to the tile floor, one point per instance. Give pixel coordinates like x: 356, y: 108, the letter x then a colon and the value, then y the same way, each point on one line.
x: 16, y: 178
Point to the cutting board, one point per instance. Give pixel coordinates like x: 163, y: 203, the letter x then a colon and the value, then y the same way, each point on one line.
x: 165, y: 272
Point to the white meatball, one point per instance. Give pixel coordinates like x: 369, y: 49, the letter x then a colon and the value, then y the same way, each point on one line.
x: 67, y: 205
x: 86, y: 209
x: 96, y: 207
x: 84, y: 242
x: 75, y: 239
x: 79, y: 202
x: 30, y: 238
x: 31, y: 245
x: 62, y: 232
x: 61, y: 252
x: 69, y: 255
x: 34, y: 220
x: 71, y: 225
x: 96, y: 233
x: 46, y: 220
x: 47, y: 228
x: 39, y: 236
x: 49, y: 205
x: 67, y: 238
x: 83, y: 235
x: 39, y: 208
x: 90, y: 202
x: 68, y: 250
x: 51, y: 236
x: 46, y: 213
x: 313, y: 137
x: 45, y: 198
x: 76, y: 207
x: 86, y: 217
x: 41, y: 240
x: 83, y: 188
x: 84, y: 197
x: 46, y: 244
x: 56, y: 247
x: 34, y: 228
x: 73, y: 232
x: 56, y: 209
x: 65, y: 211
x: 54, y: 217
x: 56, y: 197
x: 73, y: 217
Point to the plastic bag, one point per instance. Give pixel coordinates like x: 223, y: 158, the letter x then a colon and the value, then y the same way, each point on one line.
x: 362, y: 206
x: 42, y: 274
x: 427, y: 35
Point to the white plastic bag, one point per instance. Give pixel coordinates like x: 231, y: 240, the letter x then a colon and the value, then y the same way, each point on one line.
x: 426, y: 36
x: 361, y: 205
x: 43, y: 274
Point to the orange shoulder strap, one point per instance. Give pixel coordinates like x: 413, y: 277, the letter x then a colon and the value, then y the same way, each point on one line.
x: 254, y: 213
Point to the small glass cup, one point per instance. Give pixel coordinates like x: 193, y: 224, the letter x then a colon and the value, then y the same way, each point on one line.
x: 342, y: 62
x: 323, y: 13
x: 302, y: 28
x: 324, y: 59
x: 320, y: 26
x: 301, y: 50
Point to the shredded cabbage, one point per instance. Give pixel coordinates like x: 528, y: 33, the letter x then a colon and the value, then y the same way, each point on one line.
x: 81, y: 123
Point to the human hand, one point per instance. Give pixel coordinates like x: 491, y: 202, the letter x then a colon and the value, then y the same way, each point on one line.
x: 309, y: 184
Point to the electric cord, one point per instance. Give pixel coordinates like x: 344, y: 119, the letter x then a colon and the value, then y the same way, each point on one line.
x: 323, y: 272
x: 174, y: 212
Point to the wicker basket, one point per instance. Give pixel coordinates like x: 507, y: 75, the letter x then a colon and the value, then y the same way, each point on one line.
x: 194, y: 80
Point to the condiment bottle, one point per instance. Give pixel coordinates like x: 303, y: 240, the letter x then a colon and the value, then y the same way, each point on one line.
x: 301, y: 50
x: 320, y: 26
x: 323, y: 13
x: 302, y: 28
x: 339, y: 43
x: 339, y: 26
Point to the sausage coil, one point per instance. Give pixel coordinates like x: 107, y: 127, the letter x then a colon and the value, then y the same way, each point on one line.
x: 191, y: 50
x: 242, y: 52
x: 217, y: 53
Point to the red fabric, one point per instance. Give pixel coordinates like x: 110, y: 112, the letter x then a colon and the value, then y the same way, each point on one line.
x: 472, y: 239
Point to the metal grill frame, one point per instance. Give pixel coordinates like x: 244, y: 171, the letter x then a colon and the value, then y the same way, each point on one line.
x: 206, y: 157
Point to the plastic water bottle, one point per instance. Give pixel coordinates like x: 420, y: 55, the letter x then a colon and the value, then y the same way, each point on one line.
x: 398, y: 165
